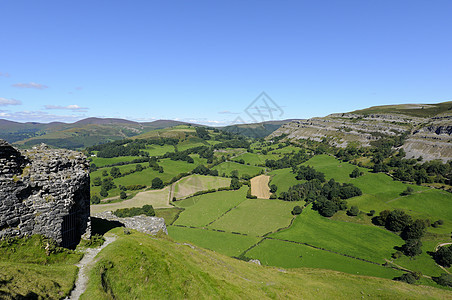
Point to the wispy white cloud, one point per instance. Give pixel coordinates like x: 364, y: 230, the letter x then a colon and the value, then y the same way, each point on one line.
x: 72, y: 107
x: 30, y: 85
x: 227, y: 112
x: 38, y: 116
x: 3, y: 74
x: 5, y: 102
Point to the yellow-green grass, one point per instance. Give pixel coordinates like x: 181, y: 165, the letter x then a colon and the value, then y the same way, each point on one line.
x: 332, y: 167
x: 255, y: 158
x: 157, y: 150
x: 283, y: 179
x: 195, y: 183
x: 204, y: 209
x: 136, y: 266
x: 221, y: 242
x: 291, y: 255
x: 191, y: 144
x: 288, y: 149
x: 363, y: 241
x: 102, y: 161
x: 422, y: 263
x: 26, y: 270
x: 257, y: 217
x: 156, y: 198
x: 169, y: 214
x: 228, y: 167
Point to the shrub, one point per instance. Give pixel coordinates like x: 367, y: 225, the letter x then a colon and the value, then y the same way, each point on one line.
x: 353, y: 211
x: 444, y: 256
x: 95, y: 199
x: 444, y: 279
x: 407, y: 277
x: 146, y: 210
x: 409, y: 190
x: 371, y: 213
x: 157, y: 183
x: 123, y: 195
x: 297, y: 210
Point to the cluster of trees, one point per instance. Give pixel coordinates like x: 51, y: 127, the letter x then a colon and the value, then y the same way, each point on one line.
x: 235, y: 143
x: 428, y: 172
x: 288, y: 160
x: 146, y: 210
x: 107, y: 184
x: 154, y: 165
x: 411, y: 231
x: 203, y: 170
x: 444, y: 256
x: 308, y: 173
x: 157, y: 183
x: 203, y: 133
x: 356, y: 173
x: 328, y: 198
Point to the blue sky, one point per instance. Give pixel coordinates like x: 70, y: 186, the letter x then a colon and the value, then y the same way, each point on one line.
x: 206, y: 61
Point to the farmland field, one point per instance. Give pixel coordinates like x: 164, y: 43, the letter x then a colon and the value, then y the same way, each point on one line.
x: 203, y: 209
x: 194, y: 183
x: 257, y: 217
x: 221, y: 242
x: 228, y: 167
x: 290, y: 255
x: 364, y: 241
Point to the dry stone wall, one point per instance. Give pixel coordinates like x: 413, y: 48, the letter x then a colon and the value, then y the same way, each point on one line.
x: 44, y: 191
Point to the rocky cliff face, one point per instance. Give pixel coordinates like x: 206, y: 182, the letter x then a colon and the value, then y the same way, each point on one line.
x: 44, y: 191
x: 429, y: 137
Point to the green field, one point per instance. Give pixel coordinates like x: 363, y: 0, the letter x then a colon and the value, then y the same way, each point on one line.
x: 157, y: 150
x: 228, y: 167
x: 257, y: 217
x: 283, y: 179
x: 255, y: 158
x: 363, y: 241
x: 201, y: 210
x: 290, y: 255
x: 138, y: 267
x: 102, y: 161
x: 221, y: 242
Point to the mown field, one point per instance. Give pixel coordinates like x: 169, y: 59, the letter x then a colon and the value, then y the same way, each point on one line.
x: 227, y: 167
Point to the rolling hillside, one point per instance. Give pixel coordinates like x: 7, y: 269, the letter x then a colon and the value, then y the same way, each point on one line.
x: 78, y: 135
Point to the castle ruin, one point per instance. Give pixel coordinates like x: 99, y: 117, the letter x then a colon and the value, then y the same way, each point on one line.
x: 44, y: 191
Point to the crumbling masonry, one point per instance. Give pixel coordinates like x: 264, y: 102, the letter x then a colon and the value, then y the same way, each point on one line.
x: 44, y: 191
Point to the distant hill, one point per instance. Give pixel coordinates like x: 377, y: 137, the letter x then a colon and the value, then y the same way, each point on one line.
x: 256, y: 130
x: 428, y: 128
x: 77, y: 135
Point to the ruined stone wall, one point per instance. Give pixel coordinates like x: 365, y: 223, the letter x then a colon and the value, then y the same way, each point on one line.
x: 44, y: 191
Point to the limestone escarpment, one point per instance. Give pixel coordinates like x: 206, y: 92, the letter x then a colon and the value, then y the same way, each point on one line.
x: 44, y: 191
x: 429, y: 137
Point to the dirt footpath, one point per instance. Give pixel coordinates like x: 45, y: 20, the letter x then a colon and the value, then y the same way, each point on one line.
x: 259, y: 186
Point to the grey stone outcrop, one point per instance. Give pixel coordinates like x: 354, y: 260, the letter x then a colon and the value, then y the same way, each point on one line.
x: 145, y: 224
x: 44, y: 191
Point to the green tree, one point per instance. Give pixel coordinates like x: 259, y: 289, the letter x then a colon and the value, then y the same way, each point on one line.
x: 235, y: 184
x: 273, y: 188
x: 123, y: 195
x: 157, y: 183
x: 115, y: 172
x: 103, y: 192
x: 444, y: 256
x: 356, y: 173
x: 412, y: 247
x: 353, y: 211
x: 415, y: 230
x: 397, y: 220
x: 409, y: 190
x: 138, y: 168
x: 97, y: 181
x: 95, y: 199
x: 235, y: 174
x: 104, y: 173
x: 297, y: 210
x: 444, y: 279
